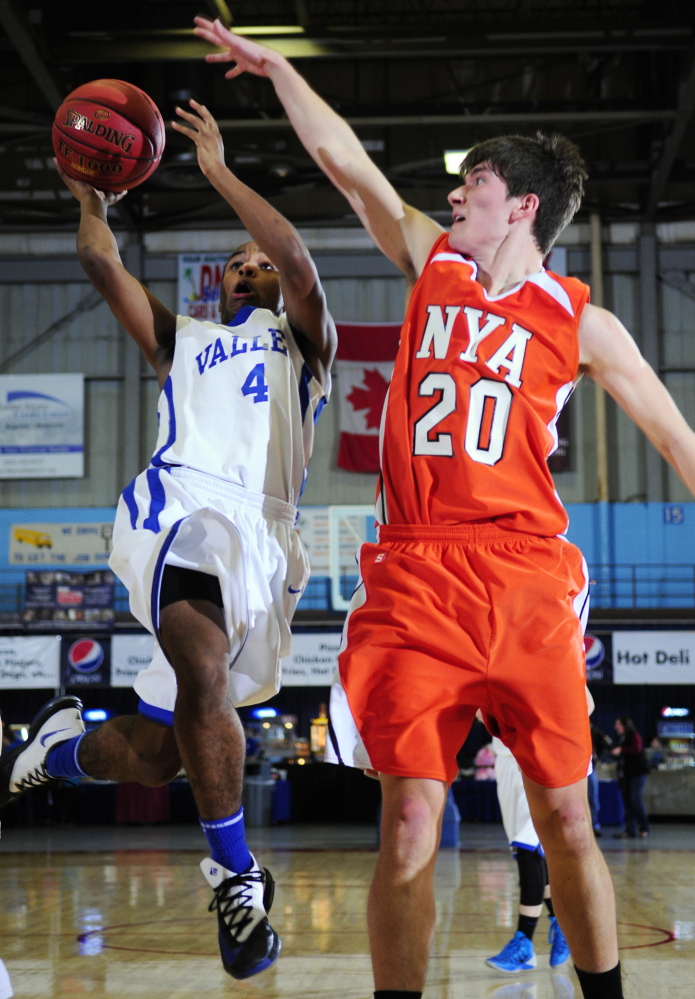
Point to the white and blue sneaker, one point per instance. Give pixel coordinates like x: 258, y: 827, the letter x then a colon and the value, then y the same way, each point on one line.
x: 24, y: 767
x: 559, y: 948
x: 248, y: 943
x: 518, y: 955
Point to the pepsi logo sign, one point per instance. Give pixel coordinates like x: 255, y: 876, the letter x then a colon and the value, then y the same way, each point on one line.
x: 85, y: 655
x: 594, y: 651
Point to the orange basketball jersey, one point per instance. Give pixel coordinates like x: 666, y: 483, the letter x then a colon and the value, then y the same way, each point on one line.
x: 476, y: 391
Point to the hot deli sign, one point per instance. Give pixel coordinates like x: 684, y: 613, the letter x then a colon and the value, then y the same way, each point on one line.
x: 654, y: 656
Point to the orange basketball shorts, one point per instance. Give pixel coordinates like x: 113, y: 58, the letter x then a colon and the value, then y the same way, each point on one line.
x: 449, y: 620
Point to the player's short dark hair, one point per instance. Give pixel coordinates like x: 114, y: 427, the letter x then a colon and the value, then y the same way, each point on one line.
x: 547, y: 165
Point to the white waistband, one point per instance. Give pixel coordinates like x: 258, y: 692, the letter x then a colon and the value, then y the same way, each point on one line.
x: 270, y: 507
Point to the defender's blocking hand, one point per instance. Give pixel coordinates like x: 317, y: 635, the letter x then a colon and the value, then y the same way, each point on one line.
x: 248, y: 56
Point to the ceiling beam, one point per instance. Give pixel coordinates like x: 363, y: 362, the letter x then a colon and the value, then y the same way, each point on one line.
x: 21, y: 37
x: 425, y: 43
x: 489, y: 118
x: 684, y: 114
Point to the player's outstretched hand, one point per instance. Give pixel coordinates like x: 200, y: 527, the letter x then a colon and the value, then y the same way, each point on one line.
x: 202, y: 129
x: 250, y: 57
x: 80, y: 189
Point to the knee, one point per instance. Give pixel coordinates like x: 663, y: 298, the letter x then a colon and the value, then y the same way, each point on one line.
x: 203, y: 678
x: 566, y: 828
x: 157, y: 773
x: 157, y: 766
x: 409, y: 835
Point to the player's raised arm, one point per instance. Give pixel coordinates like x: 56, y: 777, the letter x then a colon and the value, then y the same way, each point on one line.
x: 404, y: 234
x: 611, y: 357
x: 305, y: 302
x: 151, y: 324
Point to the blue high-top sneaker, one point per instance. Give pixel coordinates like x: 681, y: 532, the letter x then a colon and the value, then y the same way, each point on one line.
x: 559, y: 948
x: 518, y: 955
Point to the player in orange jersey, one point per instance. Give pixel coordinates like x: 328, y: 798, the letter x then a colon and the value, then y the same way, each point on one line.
x: 471, y: 597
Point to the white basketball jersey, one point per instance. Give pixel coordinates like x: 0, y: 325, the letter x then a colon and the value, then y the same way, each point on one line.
x: 240, y: 403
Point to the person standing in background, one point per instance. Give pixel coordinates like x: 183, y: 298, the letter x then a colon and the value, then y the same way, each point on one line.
x: 633, y: 769
x: 599, y: 744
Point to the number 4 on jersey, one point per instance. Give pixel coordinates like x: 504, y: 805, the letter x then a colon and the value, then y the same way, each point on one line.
x: 256, y: 384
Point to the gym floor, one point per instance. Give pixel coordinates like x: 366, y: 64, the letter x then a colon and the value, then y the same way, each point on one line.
x: 122, y: 912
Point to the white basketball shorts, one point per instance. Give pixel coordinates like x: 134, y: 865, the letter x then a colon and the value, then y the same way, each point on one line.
x: 511, y: 795
x: 178, y: 516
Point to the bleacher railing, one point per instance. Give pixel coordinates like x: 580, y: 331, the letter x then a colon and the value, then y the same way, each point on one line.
x: 629, y: 586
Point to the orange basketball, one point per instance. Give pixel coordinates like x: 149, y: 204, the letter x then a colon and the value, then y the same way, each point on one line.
x: 110, y: 134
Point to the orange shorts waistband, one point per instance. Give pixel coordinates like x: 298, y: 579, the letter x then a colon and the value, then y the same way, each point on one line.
x: 453, y: 533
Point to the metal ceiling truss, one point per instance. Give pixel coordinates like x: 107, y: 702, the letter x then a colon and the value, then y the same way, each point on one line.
x: 605, y: 71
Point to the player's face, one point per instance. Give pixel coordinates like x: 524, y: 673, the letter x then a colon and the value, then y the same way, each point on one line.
x: 250, y: 278
x: 480, y: 211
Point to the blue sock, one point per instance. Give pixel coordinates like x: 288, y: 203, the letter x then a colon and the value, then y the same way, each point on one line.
x: 62, y: 759
x: 227, y: 840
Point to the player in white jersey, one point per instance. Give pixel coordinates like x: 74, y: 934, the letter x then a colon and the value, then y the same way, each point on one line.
x: 204, y: 538
x: 518, y: 954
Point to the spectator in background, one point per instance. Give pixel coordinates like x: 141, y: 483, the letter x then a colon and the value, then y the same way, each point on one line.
x: 599, y: 744
x: 655, y: 753
x: 632, y: 769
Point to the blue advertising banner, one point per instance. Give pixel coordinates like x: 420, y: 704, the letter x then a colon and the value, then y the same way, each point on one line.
x: 56, y: 599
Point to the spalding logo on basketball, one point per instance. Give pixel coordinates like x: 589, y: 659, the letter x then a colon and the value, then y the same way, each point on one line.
x: 110, y: 134
x: 85, y: 655
x: 594, y: 651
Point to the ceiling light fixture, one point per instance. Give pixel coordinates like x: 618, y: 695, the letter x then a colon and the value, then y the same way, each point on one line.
x: 453, y: 159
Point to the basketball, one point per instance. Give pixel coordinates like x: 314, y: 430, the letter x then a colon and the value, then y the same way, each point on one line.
x: 110, y: 134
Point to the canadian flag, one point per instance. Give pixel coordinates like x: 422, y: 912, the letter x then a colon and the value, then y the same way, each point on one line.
x: 363, y: 366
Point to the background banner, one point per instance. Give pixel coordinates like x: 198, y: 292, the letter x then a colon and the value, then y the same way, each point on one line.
x: 69, y: 599
x: 654, y: 657
x: 41, y: 426
x: 45, y: 543
x: 30, y: 662
x: 200, y: 277
x: 129, y: 654
x: 313, y: 660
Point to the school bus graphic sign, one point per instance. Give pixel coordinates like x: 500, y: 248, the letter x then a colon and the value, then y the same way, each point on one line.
x: 73, y: 544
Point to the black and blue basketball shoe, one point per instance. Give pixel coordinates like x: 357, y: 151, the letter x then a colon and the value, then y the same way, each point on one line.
x: 248, y: 943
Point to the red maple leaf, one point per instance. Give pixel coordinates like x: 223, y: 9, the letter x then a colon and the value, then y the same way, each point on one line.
x: 370, y: 398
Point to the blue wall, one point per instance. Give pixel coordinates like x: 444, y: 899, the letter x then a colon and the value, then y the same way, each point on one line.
x: 653, y: 544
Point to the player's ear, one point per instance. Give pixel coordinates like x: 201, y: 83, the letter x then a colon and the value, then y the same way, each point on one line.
x: 527, y: 207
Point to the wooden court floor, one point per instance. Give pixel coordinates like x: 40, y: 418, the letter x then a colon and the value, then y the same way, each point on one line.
x: 132, y: 923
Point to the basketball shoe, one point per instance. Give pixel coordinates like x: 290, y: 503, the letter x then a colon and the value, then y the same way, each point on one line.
x: 24, y: 767
x: 518, y: 955
x: 248, y: 943
x: 559, y: 948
